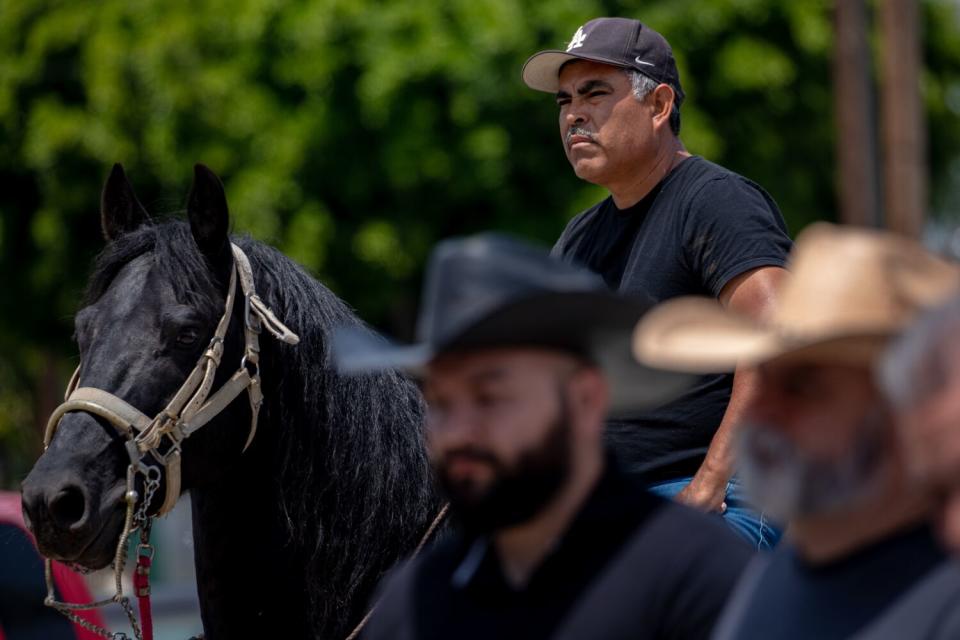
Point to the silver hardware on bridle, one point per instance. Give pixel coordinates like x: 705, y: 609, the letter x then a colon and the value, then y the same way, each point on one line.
x: 157, y: 441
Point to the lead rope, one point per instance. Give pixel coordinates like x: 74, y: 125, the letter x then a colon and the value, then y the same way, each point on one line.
x: 423, y: 541
x: 141, y: 581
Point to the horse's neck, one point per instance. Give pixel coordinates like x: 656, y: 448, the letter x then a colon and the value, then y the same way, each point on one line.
x: 252, y: 580
x: 246, y: 581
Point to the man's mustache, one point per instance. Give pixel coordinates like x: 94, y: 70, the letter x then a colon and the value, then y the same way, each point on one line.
x: 470, y: 453
x: 577, y: 131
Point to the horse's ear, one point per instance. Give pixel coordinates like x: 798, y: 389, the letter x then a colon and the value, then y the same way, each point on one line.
x: 120, y: 211
x: 208, y: 214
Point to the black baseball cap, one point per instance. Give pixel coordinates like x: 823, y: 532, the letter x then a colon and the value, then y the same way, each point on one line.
x: 620, y: 42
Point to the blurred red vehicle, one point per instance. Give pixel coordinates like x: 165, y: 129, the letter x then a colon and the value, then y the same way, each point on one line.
x: 23, y: 615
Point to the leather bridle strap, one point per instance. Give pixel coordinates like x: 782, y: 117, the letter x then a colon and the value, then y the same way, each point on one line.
x: 128, y: 420
x: 192, y: 406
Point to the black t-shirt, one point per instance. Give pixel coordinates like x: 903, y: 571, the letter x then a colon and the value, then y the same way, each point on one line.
x: 789, y: 599
x: 456, y: 589
x: 699, y: 228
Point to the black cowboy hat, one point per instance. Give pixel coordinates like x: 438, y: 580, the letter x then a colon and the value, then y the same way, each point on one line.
x: 491, y: 290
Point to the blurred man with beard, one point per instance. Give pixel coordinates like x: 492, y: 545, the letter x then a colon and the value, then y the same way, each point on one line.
x: 521, y: 358
x: 921, y: 377
x: 818, y: 447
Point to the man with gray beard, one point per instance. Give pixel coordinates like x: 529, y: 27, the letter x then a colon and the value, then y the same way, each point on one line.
x: 818, y: 448
x: 921, y: 377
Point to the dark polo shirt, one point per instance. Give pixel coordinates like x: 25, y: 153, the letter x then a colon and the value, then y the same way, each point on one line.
x: 782, y: 596
x: 674, y: 588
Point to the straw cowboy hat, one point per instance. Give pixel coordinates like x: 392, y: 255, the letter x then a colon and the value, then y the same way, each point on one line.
x: 491, y: 290
x: 850, y: 290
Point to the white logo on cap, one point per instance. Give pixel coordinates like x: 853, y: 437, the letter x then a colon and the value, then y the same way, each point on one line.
x: 577, y: 40
x: 639, y: 61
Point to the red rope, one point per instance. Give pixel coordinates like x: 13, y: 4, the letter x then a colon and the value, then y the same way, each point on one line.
x: 141, y: 586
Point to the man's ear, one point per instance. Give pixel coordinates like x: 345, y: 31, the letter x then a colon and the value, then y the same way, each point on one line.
x: 589, y: 396
x: 663, y: 99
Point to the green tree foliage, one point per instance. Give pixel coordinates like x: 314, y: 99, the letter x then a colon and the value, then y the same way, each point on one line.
x: 353, y: 134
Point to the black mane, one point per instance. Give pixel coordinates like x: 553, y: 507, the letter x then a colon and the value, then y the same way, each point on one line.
x: 351, y: 468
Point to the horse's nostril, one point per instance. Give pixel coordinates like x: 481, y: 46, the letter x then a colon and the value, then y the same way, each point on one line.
x: 67, y: 507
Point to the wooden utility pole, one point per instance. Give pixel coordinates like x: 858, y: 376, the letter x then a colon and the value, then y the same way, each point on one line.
x: 903, y: 118
x: 856, y: 146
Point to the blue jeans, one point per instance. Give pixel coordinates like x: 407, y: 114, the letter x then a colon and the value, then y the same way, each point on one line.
x: 739, y: 515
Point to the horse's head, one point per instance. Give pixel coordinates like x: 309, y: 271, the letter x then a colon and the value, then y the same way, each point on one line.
x: 153, y: 305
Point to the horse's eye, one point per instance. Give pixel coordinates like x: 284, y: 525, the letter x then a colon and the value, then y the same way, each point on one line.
x: 188, y: 337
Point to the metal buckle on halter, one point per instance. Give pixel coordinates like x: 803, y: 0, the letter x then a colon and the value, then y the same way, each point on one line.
x: 214, y: 350
x: 136, y: 459
x: 164, y: 425
x: 137, y: 465
x: 251, y: 362
x: 168, y: 424
x: 169, y: 445
x: 175, y: 436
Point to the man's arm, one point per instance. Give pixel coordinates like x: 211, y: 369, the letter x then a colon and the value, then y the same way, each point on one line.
x: 752, y: 293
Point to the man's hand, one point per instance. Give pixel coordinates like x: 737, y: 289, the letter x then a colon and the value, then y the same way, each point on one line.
x: 705, y: 494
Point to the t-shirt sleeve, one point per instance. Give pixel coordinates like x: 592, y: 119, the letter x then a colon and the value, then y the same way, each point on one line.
x: 731, y: 226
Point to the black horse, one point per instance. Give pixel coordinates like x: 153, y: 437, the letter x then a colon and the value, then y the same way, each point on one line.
x: 291, y: 536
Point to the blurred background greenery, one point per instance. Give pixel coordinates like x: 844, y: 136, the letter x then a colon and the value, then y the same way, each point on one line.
x: 352, y: 134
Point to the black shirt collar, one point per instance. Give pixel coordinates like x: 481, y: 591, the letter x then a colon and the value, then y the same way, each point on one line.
x: 612, y: 511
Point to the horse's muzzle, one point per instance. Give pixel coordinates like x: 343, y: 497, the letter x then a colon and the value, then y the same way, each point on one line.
x: 68, y: 522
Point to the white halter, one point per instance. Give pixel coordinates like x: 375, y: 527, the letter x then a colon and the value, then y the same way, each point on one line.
x: 190, y: 408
